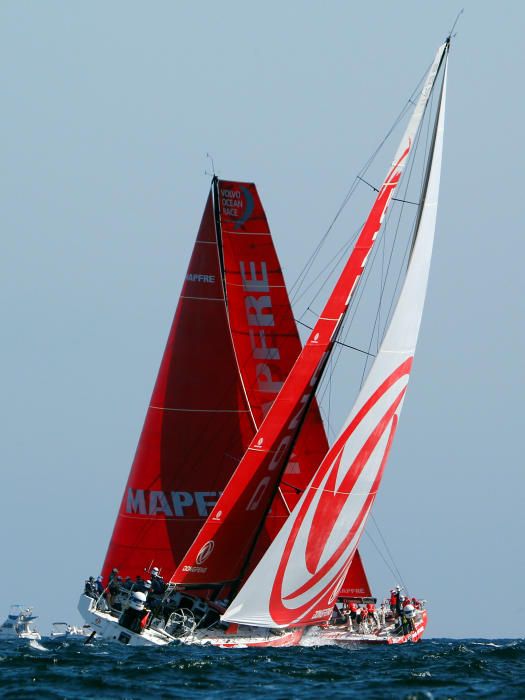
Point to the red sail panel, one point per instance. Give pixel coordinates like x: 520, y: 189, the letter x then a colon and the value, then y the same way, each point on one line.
x: 264, y: 336
x: 196, y: 428
x: 356, y: 583
x: 222, y: 546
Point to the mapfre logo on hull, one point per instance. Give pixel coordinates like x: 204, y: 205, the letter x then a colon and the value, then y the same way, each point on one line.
x: 326, y: 531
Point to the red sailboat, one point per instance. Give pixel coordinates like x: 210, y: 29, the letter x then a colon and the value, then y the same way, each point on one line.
x: 233, y: 487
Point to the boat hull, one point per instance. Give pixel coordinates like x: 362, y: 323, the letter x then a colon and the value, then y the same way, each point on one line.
x: 106, y: 626
x: 343, y: 637
x: 244, y: 640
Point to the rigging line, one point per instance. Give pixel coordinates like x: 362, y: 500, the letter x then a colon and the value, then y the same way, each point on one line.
x: 387, y: 563
x: 415, y: 224
x: 334, y: 261
x: 352, y: 309
x: 337, y: 342
x: 291, y: 486
x: 361, y: 286
x: 407, y: 247
x: 368, y: 183
x: 406, y: 185
x: 384, y: 275
x: 294, y: 289
x: 331, y: 373
x: 394, y: 199
x: 326, y: 418
x: 388, y: 551
x: 455, y: 22
x: 405, y: 201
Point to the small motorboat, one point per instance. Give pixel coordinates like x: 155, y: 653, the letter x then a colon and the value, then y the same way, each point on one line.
x: 19, y: 624
x: 64, y: 629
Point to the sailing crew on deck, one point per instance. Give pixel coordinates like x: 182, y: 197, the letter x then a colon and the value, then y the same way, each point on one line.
x: 135, y: 615
x: 399, y: 601
x: 352, y: 616
x: 157, y: 582
x: 139, y: 584
x: 382, y: 614
x: 373, y: 617
x: 393, y: 600
x: 90, y: 588
x: 113, y: 588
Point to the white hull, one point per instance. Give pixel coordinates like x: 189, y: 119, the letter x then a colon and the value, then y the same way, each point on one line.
x: 106, y: 627
x: 21, y: 635
x: 19, y: 625
x: 62, y: 630
x: 386, y: 635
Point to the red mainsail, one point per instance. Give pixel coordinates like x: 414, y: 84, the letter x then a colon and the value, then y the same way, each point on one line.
x: 264, y: 336
x: 232, y: 343
x: 196, y: 429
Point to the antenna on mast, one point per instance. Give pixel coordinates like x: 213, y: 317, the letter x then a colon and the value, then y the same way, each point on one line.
x: 213, y: 173
x: 450, y: 34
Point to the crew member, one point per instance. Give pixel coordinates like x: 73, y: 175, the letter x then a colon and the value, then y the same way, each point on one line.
x: 90, y: 588
x: 372, y: 615
x: 399, y: 601
x: 157, y: 582
x: 113, y: 588
x: 352, y: 621
x: 134, y: 616
x: 393, y: 600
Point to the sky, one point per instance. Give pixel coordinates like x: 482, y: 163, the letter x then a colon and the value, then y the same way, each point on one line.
x: 108, y: 112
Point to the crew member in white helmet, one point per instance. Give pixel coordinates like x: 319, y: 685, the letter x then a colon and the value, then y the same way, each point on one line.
x: 134, y: 616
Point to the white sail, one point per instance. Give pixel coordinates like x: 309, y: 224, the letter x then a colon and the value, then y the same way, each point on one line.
x: 298, y: 579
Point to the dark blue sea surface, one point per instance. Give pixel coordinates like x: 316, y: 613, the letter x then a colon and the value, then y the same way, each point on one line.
x: 435, y: 668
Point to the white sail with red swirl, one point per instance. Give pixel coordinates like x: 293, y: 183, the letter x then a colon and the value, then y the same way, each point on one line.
x: 299, y: 579
x: 223, y: 547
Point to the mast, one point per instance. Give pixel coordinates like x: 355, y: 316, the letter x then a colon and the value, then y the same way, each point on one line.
x: 222, y: 547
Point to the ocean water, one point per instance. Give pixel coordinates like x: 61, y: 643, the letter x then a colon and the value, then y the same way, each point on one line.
x: 435, y: 668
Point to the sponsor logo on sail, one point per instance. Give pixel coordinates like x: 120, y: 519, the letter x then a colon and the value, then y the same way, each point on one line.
x: 326, y: 558
x: 195, y: 277
x: 237, y: 204
x: 205, y: 552
x: 172, y: 504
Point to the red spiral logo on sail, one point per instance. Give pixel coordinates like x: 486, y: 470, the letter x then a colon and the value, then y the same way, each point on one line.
x: 328, y: 510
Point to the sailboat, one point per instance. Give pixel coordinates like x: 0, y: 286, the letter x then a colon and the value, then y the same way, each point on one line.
x: 266, y: 555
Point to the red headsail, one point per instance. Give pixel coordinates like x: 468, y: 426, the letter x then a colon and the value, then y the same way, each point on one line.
x: 264, y: 336
x: 356, y: 583
x: 224, y: 362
